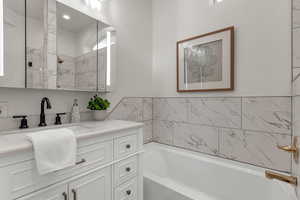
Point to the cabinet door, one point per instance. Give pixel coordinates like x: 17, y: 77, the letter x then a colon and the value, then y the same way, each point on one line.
x: 51, y: 193
x: 95, y: 186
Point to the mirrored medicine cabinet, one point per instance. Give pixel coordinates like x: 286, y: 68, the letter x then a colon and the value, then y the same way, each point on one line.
x: 49, y: 45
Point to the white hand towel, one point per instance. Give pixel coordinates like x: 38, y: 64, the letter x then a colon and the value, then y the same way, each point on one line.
x: 54, y: 149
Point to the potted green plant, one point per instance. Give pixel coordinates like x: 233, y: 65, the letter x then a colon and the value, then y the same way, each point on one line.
x: 99, y: 106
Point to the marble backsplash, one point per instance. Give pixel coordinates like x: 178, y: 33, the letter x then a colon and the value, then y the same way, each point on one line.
x: 137, y: 109
x: 244, y: 129
x: 240, y: 128
x: 296, y: 81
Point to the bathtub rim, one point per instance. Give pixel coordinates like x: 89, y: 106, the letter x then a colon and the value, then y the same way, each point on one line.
x: 193, y: 194
x: 225, y: 162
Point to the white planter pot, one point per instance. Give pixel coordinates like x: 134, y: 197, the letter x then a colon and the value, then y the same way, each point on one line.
x: 100, y: 115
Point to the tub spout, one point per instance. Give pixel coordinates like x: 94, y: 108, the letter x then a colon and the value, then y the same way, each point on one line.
x: 288, y: 179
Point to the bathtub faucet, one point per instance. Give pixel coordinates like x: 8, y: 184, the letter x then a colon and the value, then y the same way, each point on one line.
x: 288, y: 179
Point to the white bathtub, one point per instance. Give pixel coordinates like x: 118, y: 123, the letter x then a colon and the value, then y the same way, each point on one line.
x: 175, y: 174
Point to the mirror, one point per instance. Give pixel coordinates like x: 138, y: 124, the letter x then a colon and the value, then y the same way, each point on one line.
x: 76, y: 58
x: 13, y: 68
x: 57, y: 48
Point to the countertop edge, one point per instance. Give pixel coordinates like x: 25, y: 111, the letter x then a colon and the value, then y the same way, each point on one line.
x: 27, y: 145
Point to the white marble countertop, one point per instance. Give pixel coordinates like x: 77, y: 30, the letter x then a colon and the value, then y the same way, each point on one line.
x: 12, y: 141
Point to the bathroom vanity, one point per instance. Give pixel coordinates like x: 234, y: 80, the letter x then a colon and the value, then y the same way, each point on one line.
x: 108, y: 165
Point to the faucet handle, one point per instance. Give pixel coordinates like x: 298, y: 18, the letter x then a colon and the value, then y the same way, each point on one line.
x: 292, y: 149
x: 24, y: 123
x: 58, y: 118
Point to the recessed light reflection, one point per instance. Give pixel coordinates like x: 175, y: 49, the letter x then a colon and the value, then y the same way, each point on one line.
x: 66, y: 17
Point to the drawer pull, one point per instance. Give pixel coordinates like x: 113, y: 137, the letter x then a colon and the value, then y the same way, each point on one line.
x: 81, y: 162
x: 128, y: 192
x: 74, y: 194
x: 128, y: 169
x: 128, y: 146
x: 65, y: 196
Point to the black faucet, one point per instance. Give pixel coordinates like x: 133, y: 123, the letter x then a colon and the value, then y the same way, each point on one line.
x: 42, y: 116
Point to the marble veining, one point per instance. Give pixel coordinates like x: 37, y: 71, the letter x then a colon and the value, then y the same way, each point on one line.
x: 66, y: 72
x: 137, y: 109
x: 221, y: 112
x: 296, y: 116
x: 148, y: 133
x: 147, y: 109
x: 200, y: 124
x: 296, y: 81
x: 267, y: 114
x: 196, y: 137
x: 128, y: 109
x: 296, y: 48
x: 255, y: 148
x: 296, y: 4
x: 172, y: 109
x: 296, y: 18
x: 163, y: 131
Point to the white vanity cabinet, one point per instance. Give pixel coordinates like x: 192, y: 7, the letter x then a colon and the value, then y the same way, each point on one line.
x: 94, y: 186
x: 108, y: 167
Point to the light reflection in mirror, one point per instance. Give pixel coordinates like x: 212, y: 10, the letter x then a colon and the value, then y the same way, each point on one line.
x: 108, y: 69
x: 1, y: 39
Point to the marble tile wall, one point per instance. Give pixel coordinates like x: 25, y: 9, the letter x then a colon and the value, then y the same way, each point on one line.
x: 296, y: 81
x: 137, y: 109
x: 35, y: 71
x: 296, y: 133
x: 86, y: 71
x: 49, y: 45
x: 66, y: 72
x: 242, y: 129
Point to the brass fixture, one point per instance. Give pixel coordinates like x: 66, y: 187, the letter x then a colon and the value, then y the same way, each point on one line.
x: 288, y: 179
x: 292, y: 149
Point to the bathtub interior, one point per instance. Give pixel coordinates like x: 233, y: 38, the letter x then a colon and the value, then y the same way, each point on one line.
x: 199, y: 176
x: 156, y: 191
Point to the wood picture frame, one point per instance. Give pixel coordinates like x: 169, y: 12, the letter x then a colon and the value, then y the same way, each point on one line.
x: 206, y: 62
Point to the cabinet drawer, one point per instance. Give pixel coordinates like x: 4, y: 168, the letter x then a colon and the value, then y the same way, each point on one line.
x: 91, y: 156
x: 125, y: 170
x: 125, y: 146
x: 127, y: 191
x: 25, y: 178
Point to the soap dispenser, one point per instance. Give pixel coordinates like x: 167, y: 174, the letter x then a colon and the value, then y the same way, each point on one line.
x: 75, y: 115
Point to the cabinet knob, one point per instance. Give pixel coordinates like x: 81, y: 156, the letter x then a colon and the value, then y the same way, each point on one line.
x: 128, y: 169
x: 128, y: 146
x: 128, y: 192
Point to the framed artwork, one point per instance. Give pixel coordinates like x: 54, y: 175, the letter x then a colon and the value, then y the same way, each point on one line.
x: 206, y: 62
